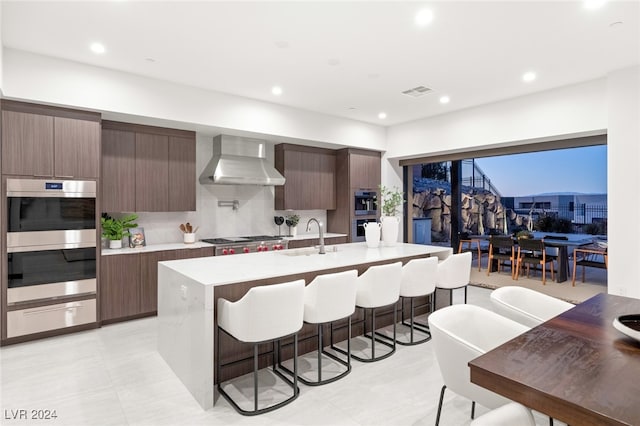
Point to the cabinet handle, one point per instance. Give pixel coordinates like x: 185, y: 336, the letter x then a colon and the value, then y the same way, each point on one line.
x: 63, y: 176
x: 61, y: 308
x: 42, y: 176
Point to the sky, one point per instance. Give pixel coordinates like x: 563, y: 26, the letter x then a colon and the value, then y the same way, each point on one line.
x: 582, y: 170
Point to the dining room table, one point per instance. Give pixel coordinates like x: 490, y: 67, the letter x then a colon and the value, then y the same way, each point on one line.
x: 563, y: 246
x: 576, y: 367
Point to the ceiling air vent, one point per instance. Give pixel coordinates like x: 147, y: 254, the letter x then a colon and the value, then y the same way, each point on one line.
x: 417, y: 92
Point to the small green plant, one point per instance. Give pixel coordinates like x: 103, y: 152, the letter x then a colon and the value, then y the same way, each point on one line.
x: 391, y: 200
x: 293, y: 220
x: 116, y: 229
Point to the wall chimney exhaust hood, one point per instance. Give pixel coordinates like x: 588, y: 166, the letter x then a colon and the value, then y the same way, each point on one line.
x: 240, y: 161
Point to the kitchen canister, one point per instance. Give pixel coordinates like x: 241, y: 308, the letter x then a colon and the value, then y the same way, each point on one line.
x: 372, y: 234
x: 189, y: 237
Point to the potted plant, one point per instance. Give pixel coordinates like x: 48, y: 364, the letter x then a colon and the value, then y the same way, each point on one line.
x: 292, y: 222
x: 115, y: 229
x: 391, y: 199
x: 524, y: 234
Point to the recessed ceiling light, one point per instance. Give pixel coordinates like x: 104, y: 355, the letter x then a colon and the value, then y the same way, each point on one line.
x: 382, y: 115
x: 97, y: 48
x: 424, y: 17
x: 529, y: 76
x: 594, y: 4
x: 444, y: 99
x: 276, y: 90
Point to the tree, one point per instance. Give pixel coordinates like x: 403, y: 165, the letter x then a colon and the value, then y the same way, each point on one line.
x: 437, y: 171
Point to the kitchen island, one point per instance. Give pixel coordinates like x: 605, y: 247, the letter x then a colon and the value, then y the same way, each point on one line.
x: 188, y: 290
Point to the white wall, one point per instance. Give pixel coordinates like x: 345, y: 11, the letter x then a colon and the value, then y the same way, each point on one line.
x: 49, y: 80
x: 610, y: 103
x: 623, y: 164
x: 1, y: 51
x: 571, y: 110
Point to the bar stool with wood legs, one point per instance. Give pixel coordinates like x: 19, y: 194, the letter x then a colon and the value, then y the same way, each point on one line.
x: 377, y: 287
x: 419, y: 278
x: 328, y: 298
x: 266, y: 313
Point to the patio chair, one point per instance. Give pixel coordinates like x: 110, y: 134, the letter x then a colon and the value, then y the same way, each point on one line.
x: 467, y: 245
x: 591, y: 258
x: 501, y: 249
x: 532, y: 252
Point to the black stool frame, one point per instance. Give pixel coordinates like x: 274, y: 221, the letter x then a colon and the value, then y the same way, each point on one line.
x: 293, y: 385
x: 321, y: 351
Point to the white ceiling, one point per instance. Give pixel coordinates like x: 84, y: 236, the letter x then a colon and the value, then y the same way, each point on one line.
x: 348, y: 59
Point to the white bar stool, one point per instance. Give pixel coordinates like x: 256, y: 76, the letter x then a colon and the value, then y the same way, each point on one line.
x: 265, y: 313
x: 377, y: 287
x: 454, y: 272
x: 419, y: 278
x: 328, y: 298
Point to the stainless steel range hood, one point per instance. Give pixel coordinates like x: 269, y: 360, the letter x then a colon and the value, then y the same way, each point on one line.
x: 240, y: 161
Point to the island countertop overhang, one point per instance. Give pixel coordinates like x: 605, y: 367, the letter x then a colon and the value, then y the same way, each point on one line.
x: 224, y: 270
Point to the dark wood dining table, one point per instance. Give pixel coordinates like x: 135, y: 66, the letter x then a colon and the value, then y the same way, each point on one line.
x: 576, y: 367
x: 562, y: 274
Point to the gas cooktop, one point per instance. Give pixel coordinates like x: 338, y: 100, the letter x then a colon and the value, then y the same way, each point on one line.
x: 248, y: 239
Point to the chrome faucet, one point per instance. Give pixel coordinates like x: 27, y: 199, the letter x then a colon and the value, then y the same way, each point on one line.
x: 320, y: 231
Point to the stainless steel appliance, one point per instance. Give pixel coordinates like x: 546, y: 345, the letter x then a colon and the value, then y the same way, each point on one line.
x: 357, y: 229
x: 51, y: 254
x: 365, y: 203
x: 250, y: 244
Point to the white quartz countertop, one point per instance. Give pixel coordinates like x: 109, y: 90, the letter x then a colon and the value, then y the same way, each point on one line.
x: 155, y: 247
x: 221, y: 270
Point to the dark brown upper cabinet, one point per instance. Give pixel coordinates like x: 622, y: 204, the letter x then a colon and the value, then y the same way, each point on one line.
x: 118, y: 170
x: 46, y: 141
x: 310, y: 178
x: 364, y: 169
x: 154, y: 168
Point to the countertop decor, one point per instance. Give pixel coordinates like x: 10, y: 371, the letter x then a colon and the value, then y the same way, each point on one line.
x: 115, y: 229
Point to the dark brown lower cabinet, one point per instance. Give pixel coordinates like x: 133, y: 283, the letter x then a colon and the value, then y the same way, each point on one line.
x: 129, y: 282
x: 119, y: 286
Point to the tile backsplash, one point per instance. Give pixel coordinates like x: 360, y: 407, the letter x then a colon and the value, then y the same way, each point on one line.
x: 254, y: 215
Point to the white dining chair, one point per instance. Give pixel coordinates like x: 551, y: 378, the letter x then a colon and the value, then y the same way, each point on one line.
x: 512, y: 414
x: 526, y: 306
x: 461, y: 333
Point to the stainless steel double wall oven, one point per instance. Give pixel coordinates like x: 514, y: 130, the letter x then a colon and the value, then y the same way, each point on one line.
x: 51, y: 254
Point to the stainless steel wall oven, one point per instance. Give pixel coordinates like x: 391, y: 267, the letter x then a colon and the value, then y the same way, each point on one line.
x: 51, y: 254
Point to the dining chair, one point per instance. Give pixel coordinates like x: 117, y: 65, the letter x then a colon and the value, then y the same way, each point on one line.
x: 461, y: 333
x: 501, y: 249
x: 593, y: 258
x: 512, y: 414
x: 526, y: 306
x: 466, y: 245
x: 532, y: 252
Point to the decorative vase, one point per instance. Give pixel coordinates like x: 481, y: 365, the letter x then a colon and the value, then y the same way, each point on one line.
x: 293, y: 231
x: 390, y: 225
x: 372, y: 234
x: 115, y: 244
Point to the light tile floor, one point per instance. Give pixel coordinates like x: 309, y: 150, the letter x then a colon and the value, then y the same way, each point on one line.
x: 115, y: 376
